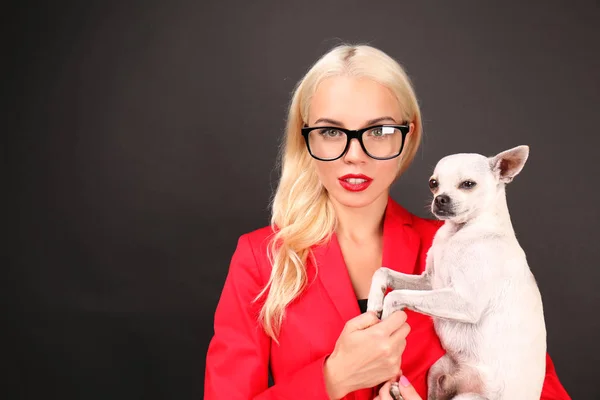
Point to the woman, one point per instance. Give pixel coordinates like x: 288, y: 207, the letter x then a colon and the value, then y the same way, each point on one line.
x: 294, y: 298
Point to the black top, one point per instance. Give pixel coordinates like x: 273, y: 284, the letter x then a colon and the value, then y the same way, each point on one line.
x: 362, y: 304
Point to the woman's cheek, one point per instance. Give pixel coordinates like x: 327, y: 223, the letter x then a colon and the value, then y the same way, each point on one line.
x: 327, y: 175
x: 387, y: 172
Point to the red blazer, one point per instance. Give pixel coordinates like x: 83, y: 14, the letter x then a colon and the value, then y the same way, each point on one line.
x: 240, y: 354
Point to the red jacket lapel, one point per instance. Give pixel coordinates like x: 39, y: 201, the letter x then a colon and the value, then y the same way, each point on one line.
x: 401, y: 243
x: 400, y: 250
x: 332, y: 271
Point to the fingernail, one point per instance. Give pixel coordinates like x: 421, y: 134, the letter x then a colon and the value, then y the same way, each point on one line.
x: 404, y: 382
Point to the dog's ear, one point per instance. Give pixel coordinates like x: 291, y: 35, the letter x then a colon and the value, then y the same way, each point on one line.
x: 507, y: 164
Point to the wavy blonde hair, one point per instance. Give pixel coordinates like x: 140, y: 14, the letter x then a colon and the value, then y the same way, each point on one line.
x: 302, y: 214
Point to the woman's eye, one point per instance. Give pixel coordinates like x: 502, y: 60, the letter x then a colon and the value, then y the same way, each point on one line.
x: 377, y: 132
x: 382, y: 132
x: 329, y: 132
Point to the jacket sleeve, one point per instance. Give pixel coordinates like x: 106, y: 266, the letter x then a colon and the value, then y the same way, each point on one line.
x: 553, y: 389
x: 237, y: 359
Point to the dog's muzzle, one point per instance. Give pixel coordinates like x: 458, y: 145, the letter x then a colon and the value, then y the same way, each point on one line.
x: 442, y: 206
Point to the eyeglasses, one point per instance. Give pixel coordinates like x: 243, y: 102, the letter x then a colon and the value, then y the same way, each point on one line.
x: 381, y: 142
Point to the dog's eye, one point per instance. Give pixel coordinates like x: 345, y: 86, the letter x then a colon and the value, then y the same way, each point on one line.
x: 467, y: 184
x: 433, y: 183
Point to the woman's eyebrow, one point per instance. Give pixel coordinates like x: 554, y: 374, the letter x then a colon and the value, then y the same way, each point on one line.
x: 329, y: 121
x: 370, y: 122
x: 381, y: 119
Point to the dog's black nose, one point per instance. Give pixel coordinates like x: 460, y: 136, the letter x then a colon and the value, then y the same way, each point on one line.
x: 442, y: 200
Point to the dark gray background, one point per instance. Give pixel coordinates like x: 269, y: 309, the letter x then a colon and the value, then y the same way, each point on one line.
x: 142, y: 140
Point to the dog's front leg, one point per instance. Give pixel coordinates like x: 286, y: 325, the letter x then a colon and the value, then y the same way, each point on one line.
x: 443, y: 303
x: 385, y: 278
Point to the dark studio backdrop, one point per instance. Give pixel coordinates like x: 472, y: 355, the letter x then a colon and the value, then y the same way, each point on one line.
x: 142, y: 138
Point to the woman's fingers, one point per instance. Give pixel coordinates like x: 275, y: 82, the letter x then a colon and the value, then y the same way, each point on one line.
x: 407, y: 390
x: 384, y: 392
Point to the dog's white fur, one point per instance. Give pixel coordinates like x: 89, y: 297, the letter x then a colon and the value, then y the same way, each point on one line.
x: 477, y: 287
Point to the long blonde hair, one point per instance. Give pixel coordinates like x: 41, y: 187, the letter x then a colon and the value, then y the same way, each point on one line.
x: 302, y: 214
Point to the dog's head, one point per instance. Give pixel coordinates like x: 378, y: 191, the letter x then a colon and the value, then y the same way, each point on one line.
x: 464, y: 184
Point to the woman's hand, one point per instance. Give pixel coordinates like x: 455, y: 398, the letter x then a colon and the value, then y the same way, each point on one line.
x: 367, y: 353
x: 407, y: 391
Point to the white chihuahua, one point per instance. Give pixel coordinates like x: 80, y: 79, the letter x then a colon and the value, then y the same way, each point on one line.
x: 477, y: 286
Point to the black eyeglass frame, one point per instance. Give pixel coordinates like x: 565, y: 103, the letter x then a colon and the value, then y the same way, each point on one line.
x: 356, y: 134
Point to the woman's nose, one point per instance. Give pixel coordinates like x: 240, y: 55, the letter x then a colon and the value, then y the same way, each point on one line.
x: 355, y: 152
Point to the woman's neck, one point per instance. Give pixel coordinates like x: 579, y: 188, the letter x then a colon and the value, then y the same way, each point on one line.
x: 360, y: 224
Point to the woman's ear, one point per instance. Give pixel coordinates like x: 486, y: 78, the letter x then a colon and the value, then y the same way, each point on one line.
x: 411, y: 129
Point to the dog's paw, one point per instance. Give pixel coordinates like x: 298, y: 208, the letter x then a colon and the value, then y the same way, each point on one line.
x: 379, y: 285
x: 374, y: 303
x: 391, y: 304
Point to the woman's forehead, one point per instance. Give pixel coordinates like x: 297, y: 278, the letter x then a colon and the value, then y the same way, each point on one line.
x: 352, y: 101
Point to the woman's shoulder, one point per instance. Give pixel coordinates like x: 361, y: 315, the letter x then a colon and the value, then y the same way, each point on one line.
x: 259, y: 237
x: 255, y: 243
x: 248, y: 266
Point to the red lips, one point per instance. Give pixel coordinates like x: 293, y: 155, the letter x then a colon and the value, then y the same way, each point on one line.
x: 355, y: 182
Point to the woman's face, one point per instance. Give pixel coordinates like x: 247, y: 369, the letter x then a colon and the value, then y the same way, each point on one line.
x: 354, y: 103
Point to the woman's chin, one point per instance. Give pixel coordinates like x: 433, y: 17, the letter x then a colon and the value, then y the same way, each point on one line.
x: 362, y: 199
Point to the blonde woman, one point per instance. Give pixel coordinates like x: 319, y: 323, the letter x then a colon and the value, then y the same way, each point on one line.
x: 294, y: 298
